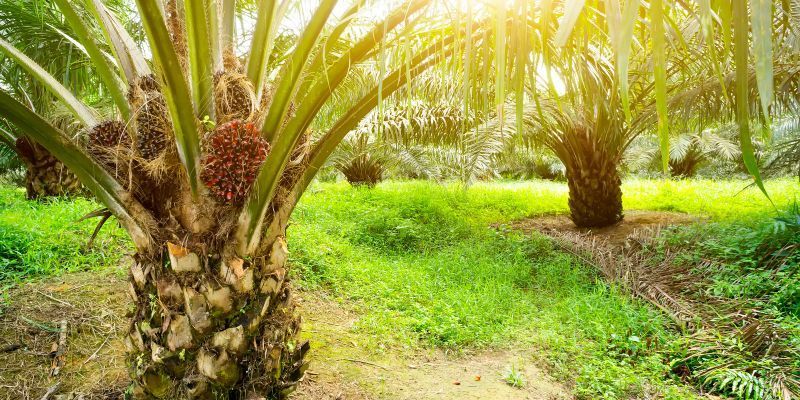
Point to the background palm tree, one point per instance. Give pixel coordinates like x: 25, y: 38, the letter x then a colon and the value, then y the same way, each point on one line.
x: 11, y: 167
x: 587, y: 78
x: 39, y: 30
x: 786, y: 152
x: 364, y: 159
x: 420, y: 132
x: 45, y: 176
x: 587, y: 129
x: 529, y: 163
x: 688, y: 152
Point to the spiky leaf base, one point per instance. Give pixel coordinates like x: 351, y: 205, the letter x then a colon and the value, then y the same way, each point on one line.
x: 216, y: 327
x: 234, y: 154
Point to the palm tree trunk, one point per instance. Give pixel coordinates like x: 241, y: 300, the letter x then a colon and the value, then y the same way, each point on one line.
x: 214, y: 327
x: 45, y: 175
x: 595, y: 193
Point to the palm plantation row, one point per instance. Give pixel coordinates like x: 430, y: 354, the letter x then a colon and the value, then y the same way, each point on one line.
x: 200, y: 142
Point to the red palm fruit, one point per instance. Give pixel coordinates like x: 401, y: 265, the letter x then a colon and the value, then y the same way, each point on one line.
x: 234, y: 153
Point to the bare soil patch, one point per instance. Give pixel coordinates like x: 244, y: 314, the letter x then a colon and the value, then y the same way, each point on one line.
x: 615, y: 235
x: 342, y: 365
x: 342, y: 368
x: 93, y: 306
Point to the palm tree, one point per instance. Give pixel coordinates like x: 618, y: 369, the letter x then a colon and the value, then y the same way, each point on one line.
x: 785, y: 156
x: 688, y: 151
x: 426, y: 132
x: 37, y: 28
x: 203, y: 164
x: 528, y: 163
x: 588, y: 127
x: 11, y: 167
x: 363, y: 160
x: 588, y: 78
x: 412, y: 136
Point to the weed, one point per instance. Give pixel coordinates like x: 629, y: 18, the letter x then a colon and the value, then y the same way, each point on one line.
x: 514, y: 377
x: 749, y: 271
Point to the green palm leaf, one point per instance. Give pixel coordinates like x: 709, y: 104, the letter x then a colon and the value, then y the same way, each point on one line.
x: 761, y: 17
x: 101, y: 63
x: 79, y: 109
x: 200, y: 57
x: 130, y: 59
x: 741, y: 55
x: 660, y: 73
x: 177, y: 94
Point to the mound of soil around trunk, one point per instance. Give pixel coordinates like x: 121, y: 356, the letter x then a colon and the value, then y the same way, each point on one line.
x: 614, y: 235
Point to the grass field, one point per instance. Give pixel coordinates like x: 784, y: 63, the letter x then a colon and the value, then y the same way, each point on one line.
x: 47, y: 238
x: 424, y: 268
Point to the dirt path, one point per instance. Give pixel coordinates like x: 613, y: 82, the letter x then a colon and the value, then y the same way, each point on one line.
x: 342, y: 369
x: 94, y: 306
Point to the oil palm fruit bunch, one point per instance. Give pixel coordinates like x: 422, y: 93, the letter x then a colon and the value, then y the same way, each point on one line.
x: 234, y: 92
x: 109, y: 134
x: 204, y: 162
x: 234, y: 153
x: 150, y: 118
x: 106, y: 138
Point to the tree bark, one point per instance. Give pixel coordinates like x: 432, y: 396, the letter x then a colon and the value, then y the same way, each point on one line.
x: 45, y: 176
x: 595, y: 193
x: 212, y: 326
x: 683, y: 169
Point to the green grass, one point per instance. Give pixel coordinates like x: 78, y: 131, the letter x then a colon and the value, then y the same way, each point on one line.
x: 722, y: 201
x: 755, y: 261
x: 45, y: 238
x: 425, y: 268
x: 756, y: 265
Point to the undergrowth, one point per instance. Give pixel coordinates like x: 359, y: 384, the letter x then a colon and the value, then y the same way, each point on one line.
x: 428, y: 270
x: 45, y: 238
x: 435, y: 266
x: 751, y: 348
